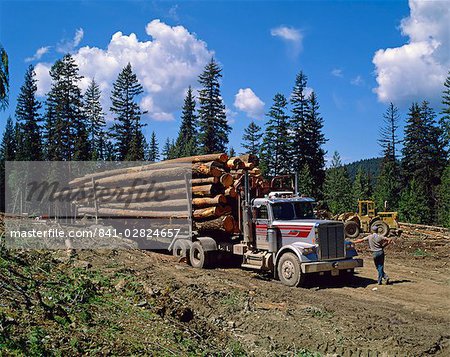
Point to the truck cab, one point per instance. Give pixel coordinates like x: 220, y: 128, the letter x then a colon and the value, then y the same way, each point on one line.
x: 287, y: 239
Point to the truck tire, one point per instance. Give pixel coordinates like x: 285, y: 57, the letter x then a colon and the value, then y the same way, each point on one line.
x: 384, y: 227
x: 181, y: 249
x: 289, y: 271
x: 198, y: 257
x: 351, y: 229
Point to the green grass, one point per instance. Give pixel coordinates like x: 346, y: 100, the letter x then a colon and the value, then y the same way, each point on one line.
x: 420, y: 253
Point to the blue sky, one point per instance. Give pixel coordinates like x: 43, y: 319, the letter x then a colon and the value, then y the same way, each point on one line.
x: 261, y: 47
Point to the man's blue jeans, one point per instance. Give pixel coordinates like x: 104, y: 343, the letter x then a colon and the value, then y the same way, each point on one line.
x: 378, y: 259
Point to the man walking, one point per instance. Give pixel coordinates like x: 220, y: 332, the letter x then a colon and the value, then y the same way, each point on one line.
x: 377, y: 243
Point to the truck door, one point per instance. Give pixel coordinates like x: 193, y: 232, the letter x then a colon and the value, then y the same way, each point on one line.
x: 261, y: 223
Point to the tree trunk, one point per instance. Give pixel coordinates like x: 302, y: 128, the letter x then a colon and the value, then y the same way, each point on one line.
x: 225, y: 223
x: 208, y: 201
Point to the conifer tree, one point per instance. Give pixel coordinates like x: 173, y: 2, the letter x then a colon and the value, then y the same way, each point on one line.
x: 95, y: 121
x: 8, y: 146
x: 337, y: 187
x: 361, y: 186
x: 305, y: 182
x: 444, y: 199
x: 275, y: 154
x: 413, y: 205
x: 153, y: 150
x: 445, y: 119
x: 127, y: 127
x: 315, y: 139
x: 387, y: 189
x: 388, y: 133
x: 4, y: 78
x: 168, y: 150
x: 65, y: 128
x: 7, y: 153
x: 213, y: 125
x: 27, y: 115
x: 252, y: 139
x: 231, y: 152
x: 298, y: 123
x: 424, y: 157
x: 186, y: 144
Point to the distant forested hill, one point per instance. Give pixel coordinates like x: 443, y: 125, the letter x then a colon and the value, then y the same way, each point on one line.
x: 369, y: 165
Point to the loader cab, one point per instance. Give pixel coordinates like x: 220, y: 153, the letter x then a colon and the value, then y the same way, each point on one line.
x: 366, y: 208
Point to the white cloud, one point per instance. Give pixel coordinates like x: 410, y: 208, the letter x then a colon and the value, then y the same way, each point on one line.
x: 357, y: 81
x: 337, y: 72
x: 416, y: 70
x: 248, y: 102
x: 165, y: 65
x: 38, y: 54
x: 291, y: 35
x: 68, y: 46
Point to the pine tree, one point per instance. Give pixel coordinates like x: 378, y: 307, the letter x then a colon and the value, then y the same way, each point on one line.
x: 414, y: 206
x: 65, y: 128
x: 298, y: 123
x: 8, y: 146
x: 315, y: 139
x: 361, y: 186
x: 7, y: 153
x: 186, y: 144
x: 168, y: 150
x: 305, y: 182
x: 127, y: 128
x: 387, y: 189
x: 252, y: 139
x: 424, y: 157
x: 95, y: 121
x: 153, y: 150
x: 445, y: 119
x: 4, y: 78
x: 213, y: 125
x: 337, y: 187
x: 275, y: 153
x: 231, y: 152
x: 27, y: 115
x: 388, y: 133
x: 444, y: 199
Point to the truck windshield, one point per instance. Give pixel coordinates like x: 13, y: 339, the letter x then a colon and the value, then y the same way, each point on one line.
x: 292, y: 210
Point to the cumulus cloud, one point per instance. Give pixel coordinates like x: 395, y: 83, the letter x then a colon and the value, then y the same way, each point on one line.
x: 337, y: 72
x: 68, y: 46
x: 38, y: 54
x: 291, y: 35
x: 165, y: 65
x: 417, y: 69
x: 247, y: 101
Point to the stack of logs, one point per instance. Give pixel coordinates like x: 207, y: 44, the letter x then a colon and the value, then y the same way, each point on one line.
x: 216, y: 183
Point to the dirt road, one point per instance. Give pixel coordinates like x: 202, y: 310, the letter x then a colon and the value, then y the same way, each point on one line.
x: 358, y: 318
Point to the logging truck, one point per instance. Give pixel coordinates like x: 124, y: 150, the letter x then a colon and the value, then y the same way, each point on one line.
x: 224, y: 206
x: 280, y: 235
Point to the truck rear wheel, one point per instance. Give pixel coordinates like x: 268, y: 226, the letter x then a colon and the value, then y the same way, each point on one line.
x: 181, y: 249
x: 384, y: 227
x: 289, y: 271
x: 351, y: 229
x: 199, y: 258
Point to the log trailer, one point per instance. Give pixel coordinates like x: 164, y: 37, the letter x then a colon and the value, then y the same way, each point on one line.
x: 280, y: 235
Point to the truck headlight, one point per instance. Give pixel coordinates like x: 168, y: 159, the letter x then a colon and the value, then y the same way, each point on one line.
x: 307, y: 251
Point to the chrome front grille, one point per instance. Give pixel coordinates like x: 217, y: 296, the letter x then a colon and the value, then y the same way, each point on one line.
x: 331, y: 241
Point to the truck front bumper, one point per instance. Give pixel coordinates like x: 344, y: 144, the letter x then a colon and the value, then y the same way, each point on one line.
x: 334, y: 265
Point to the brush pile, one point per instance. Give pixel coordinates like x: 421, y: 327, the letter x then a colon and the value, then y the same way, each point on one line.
x: 206, y: 188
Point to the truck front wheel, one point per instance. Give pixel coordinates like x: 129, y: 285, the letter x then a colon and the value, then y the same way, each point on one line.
x: 199, y: 258
x: 289, y: 270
